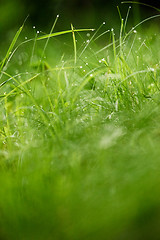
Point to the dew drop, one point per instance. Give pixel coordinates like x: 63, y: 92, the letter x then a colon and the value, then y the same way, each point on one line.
x: 151, y: 69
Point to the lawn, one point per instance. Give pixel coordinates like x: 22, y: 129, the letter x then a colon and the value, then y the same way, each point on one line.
x: 80, y: 134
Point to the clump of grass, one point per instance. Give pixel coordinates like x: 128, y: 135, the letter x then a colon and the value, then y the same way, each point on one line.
x: 79, y: 136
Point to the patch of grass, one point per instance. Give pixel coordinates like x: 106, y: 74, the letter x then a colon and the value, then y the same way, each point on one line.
x: 80, y: 136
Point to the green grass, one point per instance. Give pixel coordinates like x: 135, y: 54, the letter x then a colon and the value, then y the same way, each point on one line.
x: 80, y: 136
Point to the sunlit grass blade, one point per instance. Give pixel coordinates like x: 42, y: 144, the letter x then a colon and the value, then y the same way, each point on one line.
x: 141, y: 3
x: 47, y: 41
x: 62, y: 33
x: 11, y: 48
x: 126, y: 19
x: 91, y: 39
x: 74, y: 44
x: 139, y: 24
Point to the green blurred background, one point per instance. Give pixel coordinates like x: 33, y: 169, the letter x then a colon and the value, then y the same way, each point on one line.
x: 82, y: 13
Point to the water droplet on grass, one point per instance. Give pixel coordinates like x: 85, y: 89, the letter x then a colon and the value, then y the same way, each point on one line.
x: 151, y: 69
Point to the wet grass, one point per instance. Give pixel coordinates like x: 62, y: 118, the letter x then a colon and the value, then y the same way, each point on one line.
x: 80, y: 136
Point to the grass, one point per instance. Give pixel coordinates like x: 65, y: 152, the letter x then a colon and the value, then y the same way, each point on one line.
x: 80, y: 136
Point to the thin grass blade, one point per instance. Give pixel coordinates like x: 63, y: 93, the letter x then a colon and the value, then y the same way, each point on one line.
x: 74, y: 44
x: 11, y: 48
x: 62, y: 33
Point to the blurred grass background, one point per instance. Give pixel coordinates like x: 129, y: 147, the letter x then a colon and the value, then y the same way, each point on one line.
x: 82, y: 13
x: 102, y: 177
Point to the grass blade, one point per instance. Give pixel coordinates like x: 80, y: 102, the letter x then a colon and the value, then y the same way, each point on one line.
x: 62, y: 33
x: 74, y: 44
x: 144, y: 4
x: 11, y: 47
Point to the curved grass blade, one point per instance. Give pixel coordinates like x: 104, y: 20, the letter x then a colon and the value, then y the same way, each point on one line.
x: 144, y: 4
x: 62, y: 33
x: 143, y: 21
x: 54, y: 24
x: 11, y: 48
x: 74, y: 44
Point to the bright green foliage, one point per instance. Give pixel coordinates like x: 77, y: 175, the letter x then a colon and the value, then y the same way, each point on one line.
x: 80, y: 137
